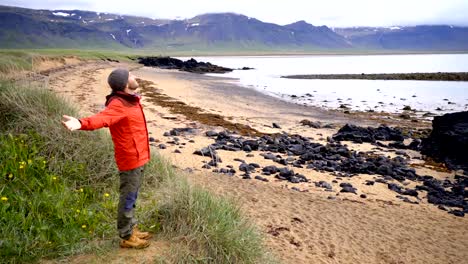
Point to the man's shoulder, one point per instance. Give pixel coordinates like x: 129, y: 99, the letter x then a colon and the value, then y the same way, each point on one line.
x: 116, y: 101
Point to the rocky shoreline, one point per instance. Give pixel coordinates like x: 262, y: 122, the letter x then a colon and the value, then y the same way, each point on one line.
x: 436, y: 76
x: 191, y: 65
x: 294, y: 151
x: 290, y: 156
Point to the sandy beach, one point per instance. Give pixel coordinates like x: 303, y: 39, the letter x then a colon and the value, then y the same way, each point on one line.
x: 301, y: 222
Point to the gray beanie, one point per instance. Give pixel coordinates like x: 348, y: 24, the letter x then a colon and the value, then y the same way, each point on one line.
x: 118, y: 79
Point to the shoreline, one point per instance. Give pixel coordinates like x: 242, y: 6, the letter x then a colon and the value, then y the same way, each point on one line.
x: 325, y: 53
x: 293, y: 217
x: 433, y: 76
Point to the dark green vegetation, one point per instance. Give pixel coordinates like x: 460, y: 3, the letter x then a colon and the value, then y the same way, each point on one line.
x: 436, y: 76
x: 58, y: 194
x: 224, y: 33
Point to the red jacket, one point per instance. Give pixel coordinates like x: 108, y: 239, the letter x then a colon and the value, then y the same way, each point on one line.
x: 127, y: 124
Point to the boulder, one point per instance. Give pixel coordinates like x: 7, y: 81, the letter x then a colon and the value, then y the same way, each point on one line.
x: 448, y: 141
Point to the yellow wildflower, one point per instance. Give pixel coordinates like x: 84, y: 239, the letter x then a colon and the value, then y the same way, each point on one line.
x: 4, y: 198
x: 81, y: 189
x: 10, y: 176
x: 83, y: 226
x: 21, y: 166
x: 29, y: 161
x: 78, y: 210
x: 54, y: 178
x: 106, y: 195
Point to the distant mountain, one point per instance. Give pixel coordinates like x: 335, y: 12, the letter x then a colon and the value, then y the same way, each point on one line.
x: 441, y: 38
x: 29, y: 28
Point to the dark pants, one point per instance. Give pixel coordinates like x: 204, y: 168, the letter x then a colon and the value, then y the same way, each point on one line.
x: 130, y: 182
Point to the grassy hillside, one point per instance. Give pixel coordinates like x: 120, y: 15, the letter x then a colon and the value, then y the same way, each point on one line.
x: 58, y: 192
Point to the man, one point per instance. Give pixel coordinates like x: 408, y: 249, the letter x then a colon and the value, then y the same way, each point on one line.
x: 126, y: 121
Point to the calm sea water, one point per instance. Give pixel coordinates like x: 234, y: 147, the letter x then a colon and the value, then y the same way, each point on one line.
x: 390, y: 96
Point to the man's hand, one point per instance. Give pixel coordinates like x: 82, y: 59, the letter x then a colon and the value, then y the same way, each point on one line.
x: 71, y: 123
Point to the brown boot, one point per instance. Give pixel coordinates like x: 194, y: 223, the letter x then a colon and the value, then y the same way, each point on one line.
x: 141, y: 235
x: 134, y: 242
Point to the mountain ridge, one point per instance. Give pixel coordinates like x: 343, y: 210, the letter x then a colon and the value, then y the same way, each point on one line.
x: 41, y: 28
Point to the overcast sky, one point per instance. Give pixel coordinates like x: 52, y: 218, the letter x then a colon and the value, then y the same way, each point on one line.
x: 334, y: 13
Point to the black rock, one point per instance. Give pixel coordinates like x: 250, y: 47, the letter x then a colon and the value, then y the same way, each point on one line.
x: 275, y: 125
x: 407, y: 108
x: 448, y: 140
x: 255, y: 165
x: 247, y: 148
x: 270, y: 169
x: 395, y: 187
x: 261, y: 178
x: 253, y: 144
x: 398, y: 145
x: 415, y: 144
x: 405, y: 116
x: 285, y: 172
x: 213, y: 163
x: 211, y: 133
x: 370, y: 182
x: 162, y: 146
x: 406, y: 200
x: 206, y: 152
x: 369, y: 134
x: 410, y: 192
x: 348, y: 189
x: 268, y: 156
x: 323, y: 184
x: 177, y: 151
x: 311, y: 124
x: 381, y: 181
x: 246, y: 176
x: 190, y: 65
x: 457, y: 213
x: 246, y: 168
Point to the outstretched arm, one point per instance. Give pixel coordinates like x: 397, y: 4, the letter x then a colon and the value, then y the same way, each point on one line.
x: 113, y: 113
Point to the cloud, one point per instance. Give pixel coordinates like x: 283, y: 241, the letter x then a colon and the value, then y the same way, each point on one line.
x: 330, y: 12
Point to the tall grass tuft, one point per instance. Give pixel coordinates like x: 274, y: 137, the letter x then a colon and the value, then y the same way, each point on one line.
x: 62, y: 194
x: 53, y: 184
x: 205, y: 228
x: 24, y: 109
x: 13, y: 61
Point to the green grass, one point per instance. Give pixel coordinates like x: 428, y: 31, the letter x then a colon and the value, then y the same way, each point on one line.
x: 12, y: 61
x: 55, y: 172
x: 45, y: 214
x: 55, y: 182
x: 205, y: 228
